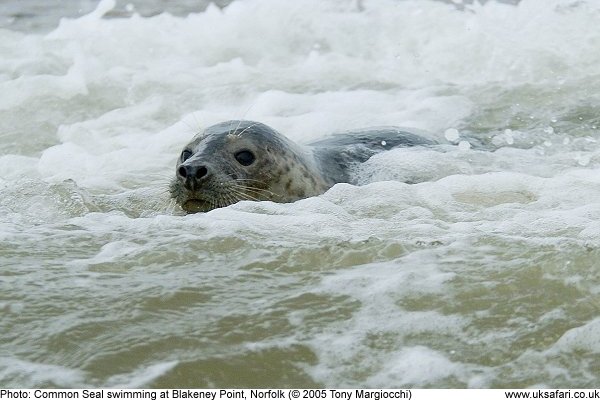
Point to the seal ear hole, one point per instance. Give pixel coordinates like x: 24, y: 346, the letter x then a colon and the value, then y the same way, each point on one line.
x: 185, y: 155
x: 245, y: 157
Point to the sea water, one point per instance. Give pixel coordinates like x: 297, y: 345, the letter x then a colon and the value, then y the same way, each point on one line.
x: 482, y: 272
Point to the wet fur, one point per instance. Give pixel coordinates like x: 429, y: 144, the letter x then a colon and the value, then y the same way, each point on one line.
x: 282, y: 171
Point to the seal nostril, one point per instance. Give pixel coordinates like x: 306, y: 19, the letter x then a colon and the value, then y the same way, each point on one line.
x: 202, y: 171
x: 182, y: 172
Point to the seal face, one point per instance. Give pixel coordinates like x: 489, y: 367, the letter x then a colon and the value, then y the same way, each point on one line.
x: 245, y: 160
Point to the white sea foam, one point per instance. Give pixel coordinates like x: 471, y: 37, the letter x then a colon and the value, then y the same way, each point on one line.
x: 27, y: 374
x: 453, y: 265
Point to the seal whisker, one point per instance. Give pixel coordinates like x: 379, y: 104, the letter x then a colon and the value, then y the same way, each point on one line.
x: 224, y: 199
x: 248, y: 127
x: 237, y: 192
x: 248, y: 180
x: 243, y: 195
x: 171, y: 206
x: 197, y: 123
x: 161, y: 188
x: 238, y: 126
x: 243, y: 117
x: 214, y: 203
x: 235, y: 197
x: 244, y: 181
x: 260, y: 192
x: 241, y: 188
x: 256, y: 189
x: 247, y: 110
x: 229, y: 131
x: 161, y: 205
x: 189, y: 126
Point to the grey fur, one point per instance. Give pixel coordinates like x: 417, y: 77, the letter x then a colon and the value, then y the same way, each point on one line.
x: 282, y: 170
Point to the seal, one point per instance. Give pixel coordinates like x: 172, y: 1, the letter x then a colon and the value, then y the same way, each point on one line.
x: 246, y: 160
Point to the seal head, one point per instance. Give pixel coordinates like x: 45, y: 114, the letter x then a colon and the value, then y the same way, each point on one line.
x: 243, y: 160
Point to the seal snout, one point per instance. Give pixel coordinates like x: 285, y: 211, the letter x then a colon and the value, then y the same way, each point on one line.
x: 192, y: 175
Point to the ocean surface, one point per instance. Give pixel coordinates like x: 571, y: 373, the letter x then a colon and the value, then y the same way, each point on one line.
x: 485, y: 274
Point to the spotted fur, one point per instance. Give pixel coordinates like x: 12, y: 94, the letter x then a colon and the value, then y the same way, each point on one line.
x: 282, y: 171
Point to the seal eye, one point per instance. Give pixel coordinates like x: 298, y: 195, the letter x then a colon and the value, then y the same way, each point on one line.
x: 244, y: 157
x: 185, y: 155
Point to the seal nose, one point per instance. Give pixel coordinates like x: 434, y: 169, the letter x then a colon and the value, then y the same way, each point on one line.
x: 191, y: 175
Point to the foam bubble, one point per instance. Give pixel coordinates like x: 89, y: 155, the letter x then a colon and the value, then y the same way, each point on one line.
x: 451, y: 135
x: 416, y: 366
x: 583, y: 338
x: 464, y: 145
x: 30, y: 374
